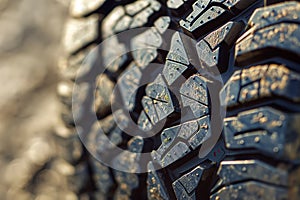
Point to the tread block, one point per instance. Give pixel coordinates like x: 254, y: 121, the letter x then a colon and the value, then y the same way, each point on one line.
x: 197, y: 108
x: 178, y: 140
x: 158, y: 82
x: 184, y: 187
x: 173, y: 70
x: 278, y: 38
x: 177, y: 60
x: 73, y: 155
x: 180, y: 192
x: 155, y: 187
x: 258, y: 128
x: 129, y: 84
x: 188, y: 129
x: 265, y: 129
x: 144, y: 122
x: 134, y: 8
x: 175, y: 4
x: 163, y: 109
x: 136, y: 144
x: 279, y: 13
x: 127, y: 181
x: 102, y: 176
x: 77, y: 66
x: 97, y: 142
x: 121, y: 119
x: 113, y: 58
x: 149, y: 109
x: 177, y: 51
x: 195, y: 88
x: 111, y: 20
x: 107, y: 124
x: 106, y: 134
x: 201, y: 19
x: 79, y: 180
x: 236, y: 4
x: 162, y: 24
x: 64, y: 91
x: 123, y: 24
x: 214, y: 48
x: 190, y: 183
x: 129, y: 162
x: 179, y: 150
x: 103, y: 95
x: 251, y: 190
x: 206, y: 11
x: 132, y: 16
x: 198, y: 8
x: 80, y: 8
x: 231, y: 172
x: 144, y: 46
x: 141, y: 18
x: 80, y: 94
x: 79, y: 33
x: 226, y: 34
x: 194, y: 93
x: 202, y: 134
x: 274, y: 28
x: 263, y: 81
x: 161, y: 96
x: 115, y: 136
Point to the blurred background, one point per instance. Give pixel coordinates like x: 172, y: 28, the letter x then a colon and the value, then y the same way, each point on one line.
x: 29, y: 50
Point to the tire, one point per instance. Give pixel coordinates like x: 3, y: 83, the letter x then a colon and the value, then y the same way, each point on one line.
x: 255, y: 45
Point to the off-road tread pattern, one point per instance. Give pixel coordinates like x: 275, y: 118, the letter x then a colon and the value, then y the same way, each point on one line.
x: 131, y: 16
x: 126, y: 185
x: 263, y: 127
x: 178, y: 141
x: 214, y: 48
x: 272, y: 31
x: 206, y: 13
x: 138, y: 12
x: 258, y: 82
x: 255, y: 125
x: 177, y: 60
x: 144, y: 46
x: 194, y: 94
x: 160, y: 99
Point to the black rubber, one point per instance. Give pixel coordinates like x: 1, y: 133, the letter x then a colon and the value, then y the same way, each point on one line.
x: 255, y: 45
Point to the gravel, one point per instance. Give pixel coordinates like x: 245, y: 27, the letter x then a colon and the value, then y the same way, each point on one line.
x: 29, y: 50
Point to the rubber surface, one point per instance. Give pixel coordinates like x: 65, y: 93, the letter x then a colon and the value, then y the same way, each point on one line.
x: 255, y: 50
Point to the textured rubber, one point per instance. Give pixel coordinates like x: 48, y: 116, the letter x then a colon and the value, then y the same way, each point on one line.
x: 256, y: 50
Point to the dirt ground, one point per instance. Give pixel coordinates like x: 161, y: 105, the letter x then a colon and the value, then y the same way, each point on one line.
x: 29, y: 50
